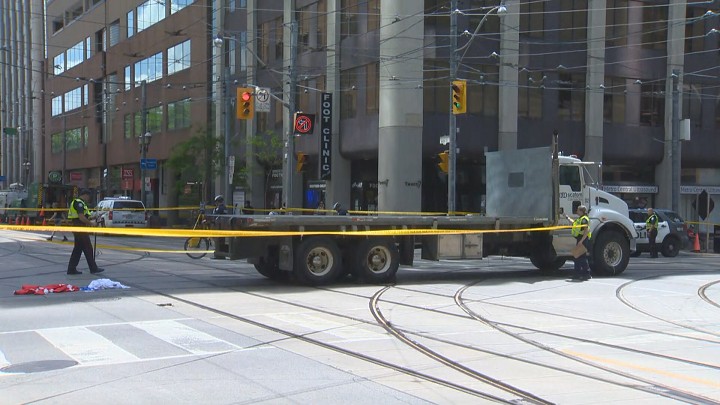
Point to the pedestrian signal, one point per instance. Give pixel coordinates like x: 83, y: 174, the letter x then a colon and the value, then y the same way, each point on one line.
x: 302, y: 158
x: 459, y: 96
x: 444, y: 161
x: 245, y: 103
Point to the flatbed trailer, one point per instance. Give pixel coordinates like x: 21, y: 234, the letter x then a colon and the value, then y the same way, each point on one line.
x: 527, y: 191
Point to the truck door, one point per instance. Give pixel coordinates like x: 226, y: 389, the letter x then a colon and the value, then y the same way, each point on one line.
x: 571, y: 197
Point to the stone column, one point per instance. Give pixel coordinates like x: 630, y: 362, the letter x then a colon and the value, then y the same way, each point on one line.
x: 255, y: 176
x: 401, y: 106
x: 38, y: 54
x: 675, y: 60
x: 508, y: 92
x: 338, y: 188
x: 594, y: 77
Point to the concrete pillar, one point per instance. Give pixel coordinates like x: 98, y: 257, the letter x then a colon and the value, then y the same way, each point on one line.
x: 255, y: 177
x: 38, y: 54
x: 25, y: 156
x: 338, y: 188
x: 508, y: 92
x: 4, y: 75
x: 675, y: 60
x: 218, y: 86
x: 289, y: 165
x: 401, y: 106
x: 15, y: 92
x: 595, y: 76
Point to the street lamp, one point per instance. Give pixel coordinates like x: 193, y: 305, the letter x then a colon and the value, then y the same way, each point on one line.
x: 144, y: 142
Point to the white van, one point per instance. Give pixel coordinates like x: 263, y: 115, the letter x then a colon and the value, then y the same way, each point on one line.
x: 121, y: 213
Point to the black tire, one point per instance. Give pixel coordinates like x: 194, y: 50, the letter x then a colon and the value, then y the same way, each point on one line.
x: 611, y: 254
x: 317, y: 260
x: 671, y: 247
x: 197, y: 244
x: 548, y: 265
x: 636, y: 253
x: 376, y: 260
x: 269, y: 270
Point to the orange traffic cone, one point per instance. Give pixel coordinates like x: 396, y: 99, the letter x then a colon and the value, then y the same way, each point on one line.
x: 27, y: 221
x: 44, y: 222
x: 17, y: 221
x: 696, y: 246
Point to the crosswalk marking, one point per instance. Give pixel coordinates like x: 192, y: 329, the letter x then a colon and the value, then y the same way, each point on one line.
x: 185, y: 337
x: 86, y: 346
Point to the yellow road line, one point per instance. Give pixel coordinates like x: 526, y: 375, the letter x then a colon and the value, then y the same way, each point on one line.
x: 643, y: 368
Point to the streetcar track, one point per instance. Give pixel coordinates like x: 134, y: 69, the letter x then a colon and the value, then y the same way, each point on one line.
x: 703, y: 295
x: 652, y: 386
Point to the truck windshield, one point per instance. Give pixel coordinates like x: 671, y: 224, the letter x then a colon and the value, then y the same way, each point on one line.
x: 570, y: 176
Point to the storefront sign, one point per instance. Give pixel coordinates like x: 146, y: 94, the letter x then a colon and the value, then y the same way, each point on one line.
x: 54, y: 177
x: 325, y: 135
x: 317, y: 185
x: 128, y: 173
x: 76, y: 176
x: 126, y: 184
x: 699, y: 189
x: 631, y: 189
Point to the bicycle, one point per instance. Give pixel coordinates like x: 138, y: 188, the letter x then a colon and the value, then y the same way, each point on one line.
x: 200, y: 244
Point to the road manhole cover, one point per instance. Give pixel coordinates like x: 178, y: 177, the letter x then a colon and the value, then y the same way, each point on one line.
x: 38, y: 366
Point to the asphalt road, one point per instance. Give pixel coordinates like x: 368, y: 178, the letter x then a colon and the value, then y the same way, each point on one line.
x: 208, y: 331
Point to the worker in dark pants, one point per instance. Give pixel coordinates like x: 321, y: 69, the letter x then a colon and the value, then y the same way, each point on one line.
x: 652, y: 226
x: 581, y: 232
x: 80, y: 216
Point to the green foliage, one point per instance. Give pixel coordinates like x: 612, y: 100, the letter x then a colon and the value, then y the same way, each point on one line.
x: 265, y: 151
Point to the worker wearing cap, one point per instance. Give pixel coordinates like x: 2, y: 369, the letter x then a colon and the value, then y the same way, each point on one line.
x: 652, y: 226
x: 339, y: 209
x: 79, y: 214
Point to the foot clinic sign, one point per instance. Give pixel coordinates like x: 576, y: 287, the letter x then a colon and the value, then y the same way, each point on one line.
x: 326, y: 106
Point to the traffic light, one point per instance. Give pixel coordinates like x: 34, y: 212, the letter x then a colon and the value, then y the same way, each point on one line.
x: 245, y: 103
x: 302, y: 158
x: 459, y: 96
x: 444, y: 161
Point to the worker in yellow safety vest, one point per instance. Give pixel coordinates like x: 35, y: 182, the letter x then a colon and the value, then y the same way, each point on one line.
x: 80, y: 216
x: 581, y: 232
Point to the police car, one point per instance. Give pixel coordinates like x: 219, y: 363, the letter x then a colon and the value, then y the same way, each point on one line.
x: 121, y: 212
x: 668, y: 242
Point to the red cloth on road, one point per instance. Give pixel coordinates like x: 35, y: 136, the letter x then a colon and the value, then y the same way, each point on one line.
x: 42, y: 290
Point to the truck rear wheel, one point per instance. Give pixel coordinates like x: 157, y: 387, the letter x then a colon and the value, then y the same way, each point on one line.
x: 611, y: 254
x: 269, y: 270
x: 317, y: 260
x: 376, y: 260
x: 547, y: 266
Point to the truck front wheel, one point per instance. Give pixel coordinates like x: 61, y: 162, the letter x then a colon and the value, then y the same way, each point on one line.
x: 376, y: 260
x: 317, y: 260
x: 611, y: 254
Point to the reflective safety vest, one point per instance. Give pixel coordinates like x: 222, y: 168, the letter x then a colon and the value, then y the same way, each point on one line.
x: 73, y: 214
x: 578, y: 229
x: 652, y: 220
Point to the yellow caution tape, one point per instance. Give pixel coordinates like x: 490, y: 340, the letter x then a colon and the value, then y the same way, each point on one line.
x: 701, y: 223
x: 185, y: 233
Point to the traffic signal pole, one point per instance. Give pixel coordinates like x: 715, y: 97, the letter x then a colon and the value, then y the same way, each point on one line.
x: 453, y: 122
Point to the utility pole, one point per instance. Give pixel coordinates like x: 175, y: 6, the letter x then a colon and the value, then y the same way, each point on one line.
x: 675, y: 140
x: 143, y: 147
x: 64, y: 149
x: 228, y: 125
x: 452, y: 162
x: 290, y: 136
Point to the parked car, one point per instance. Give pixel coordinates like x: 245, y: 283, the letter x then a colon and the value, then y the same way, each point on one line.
x: 121, y: 213
x: 672, y: 231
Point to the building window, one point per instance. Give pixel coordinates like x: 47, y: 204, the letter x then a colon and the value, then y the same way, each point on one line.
x: 348, y: 18
x: 614, y: 100
x: 532, y: 14
x: 616, y: 15
x: 177, y: 5
x: 436, y: 87
x: 279, y: 39
x: 128, y: 78
x: 128, y: 126
x: 154, y: 119
x: 372, y: 88
x: 149, y: 13
x: 149, y: 69
x: 59, y: 63
x: 138, y: 124
x: 243, y: 51
x: 86, y: 136
x: 571, y: 96
x: 652, y: 104
x: 86, y: 94
x: 692, y: 104
x: 482, y: 92
x: 88, y: 49
x: 73, y: 99
x: 130, y: 23
x: 695, y: 30
x: 654, y: 27
x: 231, y: 5
x: 57, y: 106
x: 75, y: 55
x: 573, y: 20
x: 74, y: 139
x: 179, y: 57
x: 114, y: 33
x: 479, y: 9
x: 56, y: 143
x: 263, y: 38
x: 178, y: 115
x: 348, y: 93
x: 530, y: 94
x: 373, y: 15
x: 303, y: 16
x: 232, y: 55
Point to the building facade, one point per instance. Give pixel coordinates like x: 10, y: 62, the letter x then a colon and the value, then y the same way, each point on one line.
x: 99, y: 54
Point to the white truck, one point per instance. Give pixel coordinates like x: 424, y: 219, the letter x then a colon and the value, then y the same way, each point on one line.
x: 526, y: 189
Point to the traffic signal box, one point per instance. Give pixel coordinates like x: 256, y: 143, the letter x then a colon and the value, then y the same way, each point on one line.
x: 459, y: 96
x: 444, y: 161
x: 302, y: 158
x: 245, y: 103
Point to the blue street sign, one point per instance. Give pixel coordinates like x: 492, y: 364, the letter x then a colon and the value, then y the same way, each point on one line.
x: 2, y: 178
x: 148, y: 163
